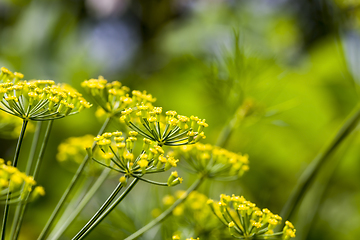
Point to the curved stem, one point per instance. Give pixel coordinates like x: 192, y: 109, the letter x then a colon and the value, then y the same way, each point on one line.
x: 151, y: 181
x: 311, y: 171
x: 70, y: 187
x: 81, y: 205
x: 19, y: 214
x: 14, y: 164
x: 168, y: 211
x: 110, y: 208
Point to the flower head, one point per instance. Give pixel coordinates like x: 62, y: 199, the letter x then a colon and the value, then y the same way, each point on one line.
x: 38, y: 100
x: 20, y: 185
x: 72, y: 151
x: 193, y: 209
x: 121, y: 151
x: 166, y: 129
x: 214, y: 161
x: 113, y: 97
x: 245, y: 220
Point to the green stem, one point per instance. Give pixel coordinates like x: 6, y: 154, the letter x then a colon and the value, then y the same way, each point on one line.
x: 91, y: 192
x: 14, y: 164
x: 42, y: 149
x: 100, y: 211
x: 152, y: 182
x: 109, y: 209
x: 305, y: 224
x: 311, y: 171
x: 168, y: 211
x: 108, y: 166
x: 227, y: 131
x: 34, y: 145
x: 70, y: 187
x: 20, y: 210
x: 72, y: 205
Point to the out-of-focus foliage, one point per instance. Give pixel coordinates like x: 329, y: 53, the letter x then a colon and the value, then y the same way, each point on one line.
x: 296, y: 62
x: 194, y: 212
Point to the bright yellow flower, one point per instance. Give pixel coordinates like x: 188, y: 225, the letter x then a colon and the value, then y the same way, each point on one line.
x: 238, y: 214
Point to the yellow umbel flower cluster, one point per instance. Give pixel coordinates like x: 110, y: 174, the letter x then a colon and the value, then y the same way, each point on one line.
x: 113, y: 97
x: 120, y: 151
x: 19, y: 184
x: 38, y: 100
x: 245, y: 220
x: 214, y: 161
x: 73, y: 148
x: 72, y: 151
x: 6, y: 76
x: 192, y: 208
x: 170, y: 129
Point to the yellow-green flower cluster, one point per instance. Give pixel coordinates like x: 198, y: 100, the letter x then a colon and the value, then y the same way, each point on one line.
x: 214, y: 161
x: 169, y: 129
x: 6, y: 76
x: 18, y: 183
x: 119, y: 156
x: 38, y: 100
x: 73, y: 148
x: 192, y: 210
x: 193, y: 206
x: 113, y: 97
x: 247, y: 221
x: 72, y: 151
x: 177, y: 237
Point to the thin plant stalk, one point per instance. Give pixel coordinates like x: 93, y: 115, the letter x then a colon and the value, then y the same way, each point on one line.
x: 109, y: 209
x: 75, y: 201
x: 85, y: 200
x: 243, y: 111
x: 34, y: 145
x: 70, y: 187
x: 73, y: 204
x: 227, y: 131
x: 42, y: 149
x: 322, y: 190
x: 168, y: 211
x: 312, y: 170
x: 20, y: 210
x: 14, y: 164
x: 100, y: 211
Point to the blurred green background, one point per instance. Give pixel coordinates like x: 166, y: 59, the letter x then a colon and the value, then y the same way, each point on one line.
x: 296, y: 61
